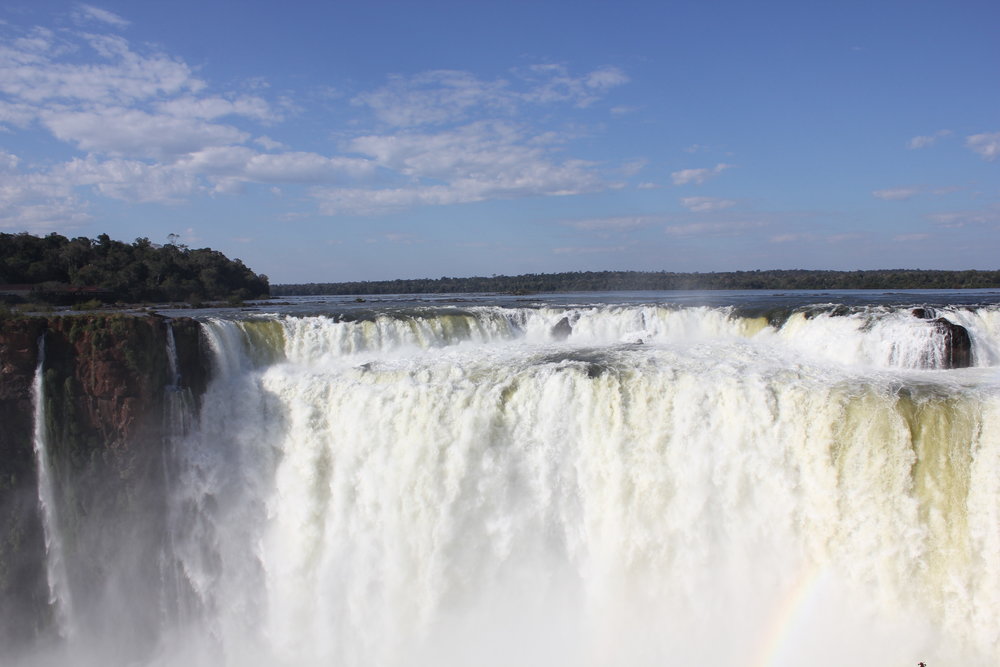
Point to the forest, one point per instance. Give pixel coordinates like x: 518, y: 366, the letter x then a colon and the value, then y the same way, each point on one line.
x: 602, y: 281
x: 58, y: 270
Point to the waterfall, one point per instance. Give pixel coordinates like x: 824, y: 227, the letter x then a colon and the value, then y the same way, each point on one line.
x: 581, y: 485
x: 474, y: 487
x: 60, y: 598
x: 178, y: 413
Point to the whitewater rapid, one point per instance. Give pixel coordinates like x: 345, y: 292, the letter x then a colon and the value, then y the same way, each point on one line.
x: 606, y: 485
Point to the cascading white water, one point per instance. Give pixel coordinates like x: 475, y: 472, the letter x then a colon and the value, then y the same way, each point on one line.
x: 871, y: 337
x: 178, y: 413
x: 479, y: 487
x: 606, y: 485
x: 60, y: 598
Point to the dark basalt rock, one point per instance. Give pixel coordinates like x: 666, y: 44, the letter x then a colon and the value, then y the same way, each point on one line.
x: 562, y: 329
x: 958, y: 343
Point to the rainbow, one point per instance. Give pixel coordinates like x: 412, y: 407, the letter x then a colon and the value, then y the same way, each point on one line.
x: 790, y: 613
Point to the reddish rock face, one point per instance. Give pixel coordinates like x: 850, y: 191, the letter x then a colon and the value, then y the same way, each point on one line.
x: 18, y: 357
x: 104, y: 382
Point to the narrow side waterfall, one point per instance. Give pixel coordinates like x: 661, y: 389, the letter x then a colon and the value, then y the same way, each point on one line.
x: 59, y: 591
x: 178, y: 415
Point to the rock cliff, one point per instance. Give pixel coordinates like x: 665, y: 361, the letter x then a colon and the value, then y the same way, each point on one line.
x: 105, y: 379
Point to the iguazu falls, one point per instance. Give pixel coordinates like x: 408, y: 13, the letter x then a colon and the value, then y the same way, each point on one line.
x: 722, y: 480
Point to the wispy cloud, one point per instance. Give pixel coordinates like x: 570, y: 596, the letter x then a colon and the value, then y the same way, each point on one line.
x: 706, y: 204
x: 435, y: 97
x: 401, y: 238
x: 698, y: 176
x: 449, y: 96
x: 896, y: 194
x: 911, y: 237
x: 614, y: 224
x: 623, y: 110
x: 986, y: 144
x: 146, y: 128
x: 791, y: 237
x: 812, y: 237
x: 475, y: 162
x: 911, y: 191
x: 730, y: 228
x: 924, y: 141
x: 987, y: 216
x: 633, y: 167
x: 135, y: 133
x: 85, y: 13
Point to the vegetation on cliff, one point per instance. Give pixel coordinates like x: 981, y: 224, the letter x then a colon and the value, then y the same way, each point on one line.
x: 61, y: 270
x: 603, y: 281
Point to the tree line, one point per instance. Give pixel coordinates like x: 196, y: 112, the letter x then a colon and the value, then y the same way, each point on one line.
x: 603, y: 281
x: 61, y: 269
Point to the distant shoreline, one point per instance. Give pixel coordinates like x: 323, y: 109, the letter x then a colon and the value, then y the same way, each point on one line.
x: 615, y: 281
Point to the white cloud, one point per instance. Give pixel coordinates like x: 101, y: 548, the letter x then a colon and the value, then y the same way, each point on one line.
x: 910, y: 191
x: 697, y: 176
x: 791, y: 238
x: 614, y: 224
x: 89, y: 12
x: 404, y: 239
x: 446, y: 96
x: 149, y: 130
x: 706, y: 204
x: 553, y: 83
x: 40, y: 217
x: 19, y: 115
x: 926, y: 140
x: 434, y: 97
x: 123, y: 78
x: 131, y: 180
x: 648, y: 186
x: 209, y: 108
x: 8, y: 161
x: 633, y: 167
x: 712, y: 228
x: 896, y: 194
x: 538, y: 179
x: 38, y: 202
x: 911, y: 237
x: 136, y: 133
x: 605, y: 78
x: 622, y: 110
x: 987, y: 145
x: 267, y: 143
x: 475, y: 162
x: 989, y: 216
x: 231, y: 165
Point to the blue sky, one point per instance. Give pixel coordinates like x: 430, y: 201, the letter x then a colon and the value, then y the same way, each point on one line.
x: 376, y: 140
